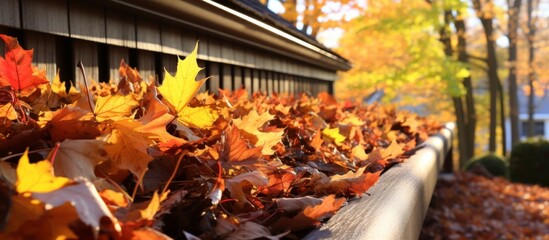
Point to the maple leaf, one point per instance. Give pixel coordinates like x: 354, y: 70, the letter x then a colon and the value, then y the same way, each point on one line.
x: 356, y: 182
x: 114, y: 107
x: 200, y: 117
x: 178, y: 91
x: 251, y: 125
x: 8, y: 111
x: 252, y: 230
x: 333, y: 135
x: 127, y: 149
x: 111, y: 197
x: 37, y: 177
x: 329, y: 206
x: 235, y: 185
x: 145, y: 210
x: 156, y: 118
x: 85, y: 199
x: 311, y: 215
x: 297, y: 204
x: 16, y: 68
x: 236, y: 149
x: 38, y: 223
x: 78, y: 158
x: 58, y: 88
x: 394, y: 150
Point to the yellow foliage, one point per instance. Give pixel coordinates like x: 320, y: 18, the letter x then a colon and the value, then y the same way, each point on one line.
x: 37, y: 177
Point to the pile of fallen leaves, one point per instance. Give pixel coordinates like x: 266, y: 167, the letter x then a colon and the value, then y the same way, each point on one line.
x: 468, y: 206
x: 137, y: 160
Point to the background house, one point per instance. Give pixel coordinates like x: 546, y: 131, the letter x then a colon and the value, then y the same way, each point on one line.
x: 541, y: 117
x: 242, y: 43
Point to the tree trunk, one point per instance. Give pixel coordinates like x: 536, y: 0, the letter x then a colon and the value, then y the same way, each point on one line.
x: 470, y: 120
x: 514, y: 110
x: 493, y: 78
x: 531, y: 72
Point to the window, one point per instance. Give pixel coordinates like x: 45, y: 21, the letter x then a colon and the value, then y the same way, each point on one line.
x: 539, y: 128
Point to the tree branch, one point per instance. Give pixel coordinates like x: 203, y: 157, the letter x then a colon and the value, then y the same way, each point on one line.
x: 477, y: 58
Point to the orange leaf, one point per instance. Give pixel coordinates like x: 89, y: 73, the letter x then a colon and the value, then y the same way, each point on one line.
x: 251, y: 125
x: 236, y: 149
x: 16, y: 69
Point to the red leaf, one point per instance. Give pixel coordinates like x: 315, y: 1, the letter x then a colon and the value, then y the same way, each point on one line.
x: 16, y: 67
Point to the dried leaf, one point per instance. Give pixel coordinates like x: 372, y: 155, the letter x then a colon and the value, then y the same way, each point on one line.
x: 16, y: 69
x: 251, y: 125
x: 37, y: 177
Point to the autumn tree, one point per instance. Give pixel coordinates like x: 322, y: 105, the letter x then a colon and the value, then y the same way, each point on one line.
x: 531, y: 34
x: 464, y: 105
x: 513, y: 26
x: 315, y: 15
x: 485, y: 13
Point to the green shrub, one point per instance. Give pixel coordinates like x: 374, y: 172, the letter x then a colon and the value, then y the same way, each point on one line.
x: 493, y: 163
x: 529, y: 162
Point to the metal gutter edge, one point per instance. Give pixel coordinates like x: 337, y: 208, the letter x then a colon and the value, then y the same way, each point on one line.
x: 395, y: 207
x: 279, y: 41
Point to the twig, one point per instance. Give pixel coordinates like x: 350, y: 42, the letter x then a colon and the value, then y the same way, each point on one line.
x: 81, y: 66
x: 20, y: 154
x: 173, y: 175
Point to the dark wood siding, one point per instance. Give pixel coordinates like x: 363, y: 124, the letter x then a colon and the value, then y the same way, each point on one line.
x: 63, y: 32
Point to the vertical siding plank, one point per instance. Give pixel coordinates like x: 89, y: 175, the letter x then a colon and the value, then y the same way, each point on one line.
x: 248, y: 80
x: 88, y: 53
x: 286, y: 84
x: 203, y: 47
x: 148, y: 35
x: 170, y: 63
x: 172, y: 41
x: 270, y: 83
x: 227, y: 77
x: 239, y: 55
x: 10, y: 13
x: 146, y: 65
x: 255, y: 80
x: 87, y: 22
x: 215, y: 77
x: 249, y: 58
x: 214, y: 50
x: 276, y: 83
x: 227, y: 53
x: 237, y: 77
x: 44, y: 52
x: 189, y: 40
x: 45, y: 16
x: 116, y: 54
x: 120, y: 29
x: 263, y: 81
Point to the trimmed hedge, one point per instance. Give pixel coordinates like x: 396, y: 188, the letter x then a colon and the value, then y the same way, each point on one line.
x: 529, y: 162
x: 495, y: 164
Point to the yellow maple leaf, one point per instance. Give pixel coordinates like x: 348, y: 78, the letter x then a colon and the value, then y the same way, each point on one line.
x: 334, y: 135
x: 251, y: 124
x: 8, y: 111
x: 114, y: 107
x: 58, y: 88
x: 37, y: 177
x: 200, y: 117
x: 127, y: 148
x: 178, y: 90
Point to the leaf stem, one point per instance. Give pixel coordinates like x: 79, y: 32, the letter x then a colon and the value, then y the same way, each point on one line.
x: 54, y: 153
x: 20, y: 154
x: 173, y: 175
x: 87, y: 90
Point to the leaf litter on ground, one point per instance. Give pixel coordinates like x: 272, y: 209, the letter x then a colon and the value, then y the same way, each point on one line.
x: 134, y: 160
x: 469, y: 206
